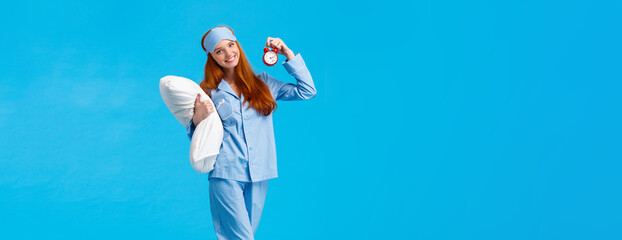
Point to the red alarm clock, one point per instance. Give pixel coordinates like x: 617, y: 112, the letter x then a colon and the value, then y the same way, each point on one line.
x: 270, y: 57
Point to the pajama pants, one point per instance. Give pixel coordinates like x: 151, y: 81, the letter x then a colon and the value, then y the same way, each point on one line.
x: 236, y: 207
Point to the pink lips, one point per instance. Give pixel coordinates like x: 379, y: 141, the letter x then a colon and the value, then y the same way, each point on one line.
x: 231, y: 59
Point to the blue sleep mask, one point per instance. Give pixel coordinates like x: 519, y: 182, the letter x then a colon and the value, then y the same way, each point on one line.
x: 215, y: 36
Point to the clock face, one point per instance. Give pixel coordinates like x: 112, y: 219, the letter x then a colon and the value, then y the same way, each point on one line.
x: 270, y: 57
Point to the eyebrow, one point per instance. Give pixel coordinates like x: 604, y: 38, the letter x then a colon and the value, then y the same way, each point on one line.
x: 221, y: 47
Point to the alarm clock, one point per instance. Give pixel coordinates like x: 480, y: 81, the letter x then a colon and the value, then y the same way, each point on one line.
x: 270, y: 57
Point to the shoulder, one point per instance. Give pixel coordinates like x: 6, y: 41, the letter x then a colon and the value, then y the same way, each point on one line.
x: 263, y: 76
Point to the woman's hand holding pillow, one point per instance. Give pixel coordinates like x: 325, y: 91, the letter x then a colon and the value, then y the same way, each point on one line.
x: 201, y: 110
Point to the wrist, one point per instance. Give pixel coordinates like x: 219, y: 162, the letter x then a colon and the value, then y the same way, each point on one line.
x: 290, y: 54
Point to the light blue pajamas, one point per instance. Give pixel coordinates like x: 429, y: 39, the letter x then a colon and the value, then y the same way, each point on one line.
x: 236, y: 207
x: 247, y: 158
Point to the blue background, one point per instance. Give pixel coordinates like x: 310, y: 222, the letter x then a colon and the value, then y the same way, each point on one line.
x: 433, y: 119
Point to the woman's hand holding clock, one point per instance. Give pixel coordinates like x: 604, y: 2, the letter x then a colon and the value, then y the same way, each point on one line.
x: 280, y: 45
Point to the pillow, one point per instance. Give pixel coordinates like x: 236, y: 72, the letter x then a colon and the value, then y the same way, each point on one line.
x: 179, y: 94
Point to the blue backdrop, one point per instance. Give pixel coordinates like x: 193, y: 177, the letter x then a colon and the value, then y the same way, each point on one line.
x: 433, y: 119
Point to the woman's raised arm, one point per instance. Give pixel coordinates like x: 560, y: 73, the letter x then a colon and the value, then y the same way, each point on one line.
x: 302, y: 90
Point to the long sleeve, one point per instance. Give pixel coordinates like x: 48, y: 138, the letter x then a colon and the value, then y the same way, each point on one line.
x: 190, y: 129
x: 303, y: 89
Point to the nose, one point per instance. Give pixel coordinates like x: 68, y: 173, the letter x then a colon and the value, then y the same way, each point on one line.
x: 228, y: 53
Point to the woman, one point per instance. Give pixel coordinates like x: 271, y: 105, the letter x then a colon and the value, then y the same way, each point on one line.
x: 245, y: 102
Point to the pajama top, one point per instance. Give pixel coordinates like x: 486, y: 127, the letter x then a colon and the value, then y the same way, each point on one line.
x: 248, y: 150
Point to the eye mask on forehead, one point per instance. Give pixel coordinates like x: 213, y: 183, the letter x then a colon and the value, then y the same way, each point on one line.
x: 216, y: 35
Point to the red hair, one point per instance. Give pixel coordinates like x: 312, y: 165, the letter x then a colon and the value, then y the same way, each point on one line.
x: 255, y: 90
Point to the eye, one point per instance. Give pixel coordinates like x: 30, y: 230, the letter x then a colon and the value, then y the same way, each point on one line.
x: 217, y: 52
x: 230, y: 44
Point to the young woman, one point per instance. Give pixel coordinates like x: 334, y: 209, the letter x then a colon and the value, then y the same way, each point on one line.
x: 245, y: 102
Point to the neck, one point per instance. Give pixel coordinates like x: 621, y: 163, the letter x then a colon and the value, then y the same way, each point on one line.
x: 229, y: 75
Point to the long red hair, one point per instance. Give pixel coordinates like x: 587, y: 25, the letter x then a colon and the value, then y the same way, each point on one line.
x: 255, y: 90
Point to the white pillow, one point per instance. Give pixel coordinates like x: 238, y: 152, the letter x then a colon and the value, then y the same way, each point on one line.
x: 179, y: 94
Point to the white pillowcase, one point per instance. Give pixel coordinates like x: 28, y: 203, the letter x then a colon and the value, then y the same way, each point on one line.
x: 179, y: 94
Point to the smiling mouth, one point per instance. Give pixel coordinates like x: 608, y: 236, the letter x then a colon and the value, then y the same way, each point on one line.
x: 231, y: 59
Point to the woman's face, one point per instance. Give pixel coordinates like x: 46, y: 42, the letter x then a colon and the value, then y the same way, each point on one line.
x: 226, y: 54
